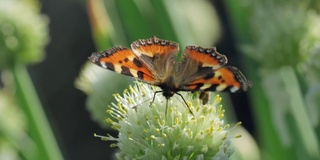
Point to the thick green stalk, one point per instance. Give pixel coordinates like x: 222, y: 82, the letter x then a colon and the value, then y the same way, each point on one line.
x: 268, y: 138
x: 40, y: 131
x: 306, y: 133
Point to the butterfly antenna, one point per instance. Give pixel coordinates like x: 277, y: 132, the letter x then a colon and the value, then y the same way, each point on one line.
x: 185, y: 103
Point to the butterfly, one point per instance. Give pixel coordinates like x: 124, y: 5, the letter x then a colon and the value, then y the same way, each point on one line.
x: 155, y: 61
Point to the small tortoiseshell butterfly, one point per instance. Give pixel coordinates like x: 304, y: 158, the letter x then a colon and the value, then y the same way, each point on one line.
x: 154, y: 61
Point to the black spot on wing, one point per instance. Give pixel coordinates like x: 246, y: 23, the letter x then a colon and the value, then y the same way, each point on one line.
x: 221, y: 79
x: 140, y: 74
x: 204, y: 71
x: 209, y: 76
x: 109, y: 65
x: 137, y: 62
x: 125, y: 70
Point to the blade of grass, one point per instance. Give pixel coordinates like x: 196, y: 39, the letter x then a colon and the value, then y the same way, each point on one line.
x: 163, y: 20
x: 100, y: 24
x: 133, y: 21
x: 39, y: 127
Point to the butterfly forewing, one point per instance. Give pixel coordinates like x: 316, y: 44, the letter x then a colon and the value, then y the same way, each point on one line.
x: 122, y: 60
x: 158, y: 55
x: 154, y: 46
x: 206, y: 57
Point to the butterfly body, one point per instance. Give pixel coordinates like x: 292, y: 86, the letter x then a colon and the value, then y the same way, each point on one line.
x: 154, y: 61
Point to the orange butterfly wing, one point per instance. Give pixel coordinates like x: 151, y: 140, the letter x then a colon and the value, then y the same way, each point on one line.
x: 212, y: 75
x: 223, y: 79
x: 123, y: 60
x: 158, y: 55
x: 205, y: 57
x: 154, y: 46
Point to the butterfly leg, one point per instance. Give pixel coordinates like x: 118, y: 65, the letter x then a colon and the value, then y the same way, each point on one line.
x: 166, y: 108
x: 154, y: 97
x: 185, y: 103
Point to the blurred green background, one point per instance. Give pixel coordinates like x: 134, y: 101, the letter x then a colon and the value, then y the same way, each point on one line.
x: 52, y: 100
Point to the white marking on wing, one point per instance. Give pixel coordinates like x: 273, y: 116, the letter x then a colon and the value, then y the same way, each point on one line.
x: 234, y: 89
x: 205, y: 86
x: 221, y: 87
x: 133, y: 72
x: 117, y: 68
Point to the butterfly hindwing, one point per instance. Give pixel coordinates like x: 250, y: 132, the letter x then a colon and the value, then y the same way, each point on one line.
x: 197, y: 62
x: 122, y: 60
x: 226, y: 78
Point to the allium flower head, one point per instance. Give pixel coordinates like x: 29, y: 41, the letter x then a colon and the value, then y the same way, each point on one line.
x: 23, y: 33
x: 146, y: 132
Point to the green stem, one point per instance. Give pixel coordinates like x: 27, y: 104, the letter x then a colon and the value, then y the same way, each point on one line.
x: 268, y: 138
x: 38, y: 124
x: 299, y: 113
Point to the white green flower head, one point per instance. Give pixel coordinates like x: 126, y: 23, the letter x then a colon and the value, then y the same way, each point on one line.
x: 146, y: 132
